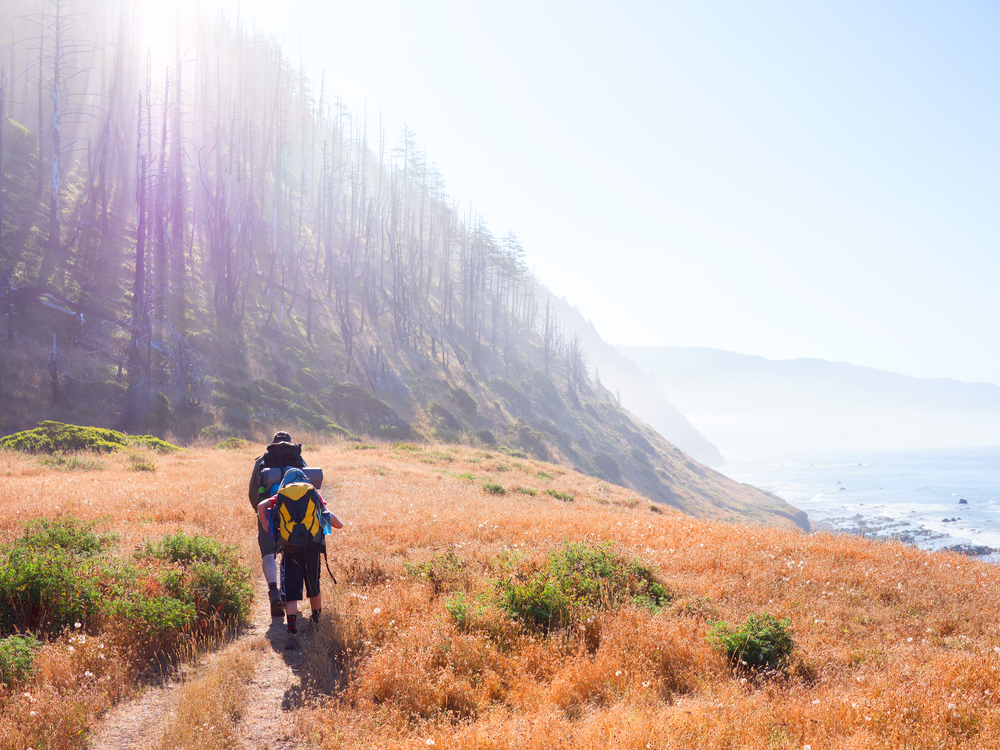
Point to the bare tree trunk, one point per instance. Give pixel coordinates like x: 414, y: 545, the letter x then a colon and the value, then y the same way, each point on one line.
x: 41, y: 114
x: 54, y: 233
x: 3, y: 87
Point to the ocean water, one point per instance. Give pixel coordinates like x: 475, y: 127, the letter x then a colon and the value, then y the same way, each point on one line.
x: 914, y: 496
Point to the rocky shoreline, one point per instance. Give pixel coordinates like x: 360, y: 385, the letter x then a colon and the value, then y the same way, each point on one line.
x: 886, y: 529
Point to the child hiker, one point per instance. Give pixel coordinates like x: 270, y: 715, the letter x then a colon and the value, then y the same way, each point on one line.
x: 295, y: 516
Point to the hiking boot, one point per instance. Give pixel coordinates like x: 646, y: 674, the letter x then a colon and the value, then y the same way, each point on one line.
x: 291, y: 641
x: 277, y: 605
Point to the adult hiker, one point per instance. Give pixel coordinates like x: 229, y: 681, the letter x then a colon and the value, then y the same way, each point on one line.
x: 282, y: 454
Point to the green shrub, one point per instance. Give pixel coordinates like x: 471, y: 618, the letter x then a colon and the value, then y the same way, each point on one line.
x: 17, y: 658
x: 494, y: 489
x: 564, y: 496
x: 233, y: 444
x: 45, y: 589
x: 465, y: 402
x: 56, y: 437
x: 525, y: 491
x: 575, y: 583
x: 153, y: 443
x: 67, y: 533
x: 210, y: 576
x: 444, y: 570
x: 222, y: 591
x: 463, y: 609
x: 762, y: 642
x: 158, y: 614
x: 486, y: 436
x: 189, y: 548
x: 140, y: 462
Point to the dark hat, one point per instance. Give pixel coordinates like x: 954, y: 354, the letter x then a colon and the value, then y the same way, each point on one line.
x: 281, y: 437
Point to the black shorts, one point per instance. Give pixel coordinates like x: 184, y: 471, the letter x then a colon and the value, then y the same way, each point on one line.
x: 298, y: 568
x: 264, y: 540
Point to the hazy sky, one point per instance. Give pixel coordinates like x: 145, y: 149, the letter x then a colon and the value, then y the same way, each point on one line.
x: 785, y: 179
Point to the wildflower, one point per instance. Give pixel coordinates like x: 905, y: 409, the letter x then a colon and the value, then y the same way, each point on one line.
x: 951, y: 706
x: 377, y: 611
x: 816, y: 702
x: 909, y: 640
x: 33, y: 713
x: 430, y: 741
x: 77, y: 625
x: 71, y: 649
x: 618, y: 673
x: 88, y: 673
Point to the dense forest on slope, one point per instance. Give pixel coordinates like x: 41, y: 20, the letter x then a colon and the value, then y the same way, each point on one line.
x: 198, y: 239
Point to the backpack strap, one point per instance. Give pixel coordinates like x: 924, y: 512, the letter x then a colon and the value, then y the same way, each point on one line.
x: 327, y: 563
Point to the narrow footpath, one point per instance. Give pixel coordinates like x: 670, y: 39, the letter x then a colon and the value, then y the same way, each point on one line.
x: 143, y: 722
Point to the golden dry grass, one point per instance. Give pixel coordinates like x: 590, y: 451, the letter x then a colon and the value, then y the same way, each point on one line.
x: 895, y: 647
x: 210, y: 706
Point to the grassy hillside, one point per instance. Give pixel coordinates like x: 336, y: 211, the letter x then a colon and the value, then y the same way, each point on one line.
x: 426, y: 640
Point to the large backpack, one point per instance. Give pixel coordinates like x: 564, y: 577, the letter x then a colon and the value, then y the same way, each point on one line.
x: 280, y: 456
x: 297, y: 517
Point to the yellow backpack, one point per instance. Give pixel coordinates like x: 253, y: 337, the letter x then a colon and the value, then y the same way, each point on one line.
x: 296, y: 518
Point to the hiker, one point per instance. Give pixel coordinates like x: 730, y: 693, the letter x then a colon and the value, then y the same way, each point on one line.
x: 282, y: 454
x: 302, y: 541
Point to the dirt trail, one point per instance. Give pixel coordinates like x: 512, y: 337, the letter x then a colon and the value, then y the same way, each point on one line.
x: 139, y: 724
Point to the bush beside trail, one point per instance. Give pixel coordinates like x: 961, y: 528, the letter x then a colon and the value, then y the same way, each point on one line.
x: 62, y: 574
x: 84, y: 620
x: 56, y: 437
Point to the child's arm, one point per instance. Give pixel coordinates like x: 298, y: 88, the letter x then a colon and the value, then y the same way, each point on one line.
x: 334, y: 521
x: 263, y: 508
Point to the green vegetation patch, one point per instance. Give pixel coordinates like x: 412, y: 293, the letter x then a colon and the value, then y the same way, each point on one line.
x: 494, y: 489
x: 564, y: 496
x: 72, y: 463
x: 486, y: 437
x: 465, y: 402
x: 69, y: 534
x: 444, y: 571
x: 17, y: 658
x: 762, y: 642
x: 56, y: 437
x: 575, y: 583
x: 64, y: 573
x: 236, y: 444
x: 443, y: 417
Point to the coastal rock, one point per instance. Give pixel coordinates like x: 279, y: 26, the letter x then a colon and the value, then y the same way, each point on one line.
x: 963, y: 501
x: 972, y: 550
